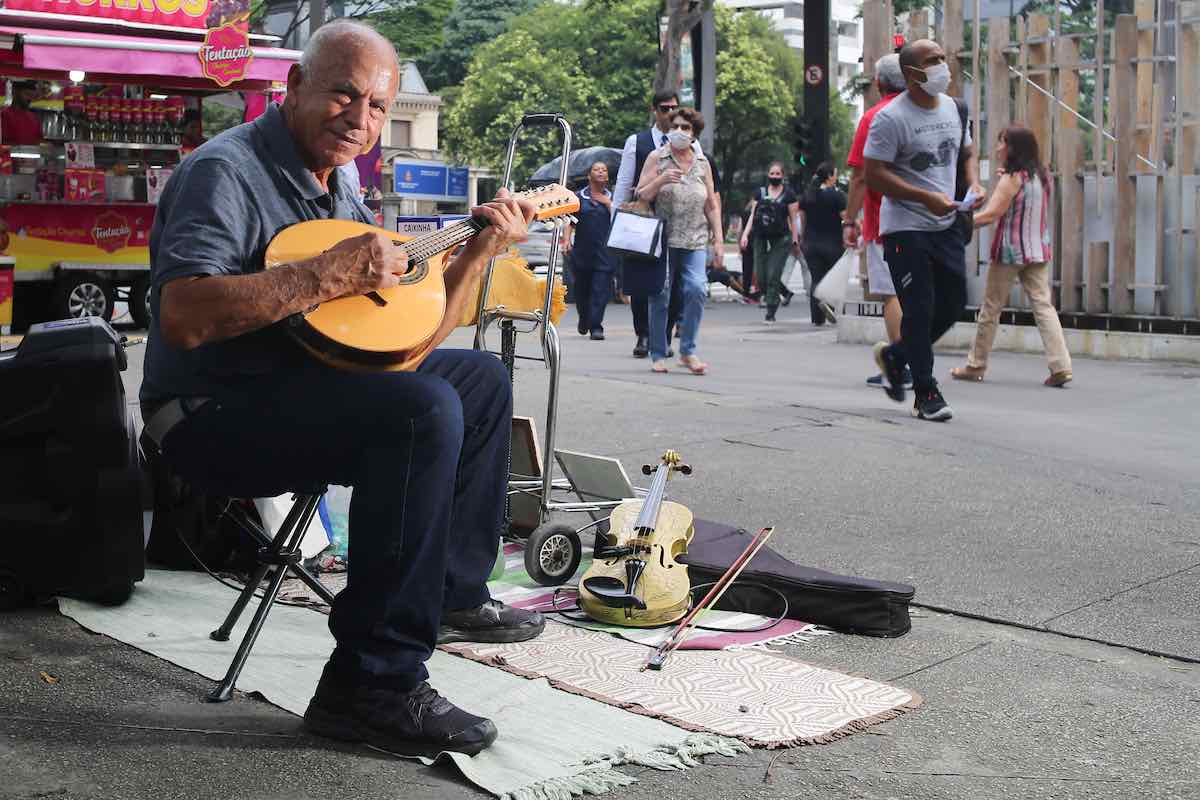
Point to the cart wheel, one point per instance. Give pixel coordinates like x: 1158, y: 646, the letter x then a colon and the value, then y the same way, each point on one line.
x: 552, y: 553
x: 139, y: 302
x: 83, y: 295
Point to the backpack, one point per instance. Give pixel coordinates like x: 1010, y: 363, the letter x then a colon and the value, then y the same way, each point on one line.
x: 768, y: 219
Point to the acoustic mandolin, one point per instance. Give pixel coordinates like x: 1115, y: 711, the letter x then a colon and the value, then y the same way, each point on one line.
x: 390, y: 329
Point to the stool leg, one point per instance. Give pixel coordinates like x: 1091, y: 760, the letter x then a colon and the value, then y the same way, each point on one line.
x: 286, y: 543
x: 224, y: 689
x: 221, y: 634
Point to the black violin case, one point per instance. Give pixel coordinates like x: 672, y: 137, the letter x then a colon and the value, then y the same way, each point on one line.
x: 845, y: 604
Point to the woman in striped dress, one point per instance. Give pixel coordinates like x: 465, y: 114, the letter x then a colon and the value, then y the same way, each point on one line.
x: 1020, y: 207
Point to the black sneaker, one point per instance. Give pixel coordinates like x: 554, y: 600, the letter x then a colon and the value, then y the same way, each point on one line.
x: 417, y: 722
x: 491, y: 622
x: 786, y: 294
x: 876, y: 381
x: 770, y: 317
x: 642, y: 348
x: 828, y: 311
x: 932, y: 406
x: 892, y: 369
x: 597, y: 336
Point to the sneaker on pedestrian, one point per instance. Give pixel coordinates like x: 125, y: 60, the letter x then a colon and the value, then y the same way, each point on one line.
x: 930, y: 404
x: 492, y: 622
x: 893, y: 370
x: 877, y: 380
x: 413, y: 722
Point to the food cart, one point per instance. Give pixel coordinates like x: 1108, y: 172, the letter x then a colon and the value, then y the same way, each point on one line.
x: 115, y: 90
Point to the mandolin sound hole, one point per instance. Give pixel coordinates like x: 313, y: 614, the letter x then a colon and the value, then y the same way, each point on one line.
x: 415, y: 272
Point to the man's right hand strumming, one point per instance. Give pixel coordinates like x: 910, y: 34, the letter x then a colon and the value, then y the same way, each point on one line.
x: 364, y: 263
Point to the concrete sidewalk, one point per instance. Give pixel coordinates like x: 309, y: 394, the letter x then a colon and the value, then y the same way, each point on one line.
x: 1056, y: 528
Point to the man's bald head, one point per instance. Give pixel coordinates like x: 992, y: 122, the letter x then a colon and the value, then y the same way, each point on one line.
x: 342, y: 37
x: 918, y: 56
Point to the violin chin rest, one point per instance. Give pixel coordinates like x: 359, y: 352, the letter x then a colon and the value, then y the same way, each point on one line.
x: 611, y: 592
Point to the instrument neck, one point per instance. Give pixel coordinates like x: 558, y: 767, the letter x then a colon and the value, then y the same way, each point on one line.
x: 430, y: 244
x: 647, y: 520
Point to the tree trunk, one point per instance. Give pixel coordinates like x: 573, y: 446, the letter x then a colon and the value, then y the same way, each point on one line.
x: 682, y: 16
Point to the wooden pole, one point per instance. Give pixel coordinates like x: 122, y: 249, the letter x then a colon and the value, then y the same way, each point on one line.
x: 952, y: 42
x: 877, y: 42
x: 1097, y: 276
x: 316, y: 16
x: 1187, y: 81
x: 999, y: 107
x: 1037, y: 104
x: 1144, y: 11
x: 1070, y: 182
x: 1120, y: 297
x: 1023, y: 66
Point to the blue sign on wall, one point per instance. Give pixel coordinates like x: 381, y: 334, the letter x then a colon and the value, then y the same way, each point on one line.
x: 430, y: 180
x: 456, y: 185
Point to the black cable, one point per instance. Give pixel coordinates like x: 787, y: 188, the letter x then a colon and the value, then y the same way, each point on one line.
x: 239, y: 589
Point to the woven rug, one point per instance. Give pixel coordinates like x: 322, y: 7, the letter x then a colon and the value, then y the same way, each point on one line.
x: 760, y: 698
x: 171, y: 613
x: 516, y: 588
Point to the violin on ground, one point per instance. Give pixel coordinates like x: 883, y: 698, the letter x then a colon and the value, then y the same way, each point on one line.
x: 635, y: 578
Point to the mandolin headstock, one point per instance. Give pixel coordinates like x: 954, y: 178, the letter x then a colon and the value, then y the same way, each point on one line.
x: 552, y: 200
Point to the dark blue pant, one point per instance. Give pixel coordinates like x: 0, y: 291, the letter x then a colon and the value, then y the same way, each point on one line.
x: 593, y: 290
x: 426, y: 453
x: 929, y: 270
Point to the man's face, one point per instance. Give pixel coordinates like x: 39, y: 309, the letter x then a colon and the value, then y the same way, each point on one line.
x: 337, y: 109
x: 663, y: 112
x: 929, y: 54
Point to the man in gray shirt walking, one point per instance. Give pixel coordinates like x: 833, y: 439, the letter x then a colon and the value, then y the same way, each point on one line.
x: 913, y: 155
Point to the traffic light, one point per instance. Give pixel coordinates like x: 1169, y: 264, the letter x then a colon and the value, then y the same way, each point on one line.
x: 897, y: 43
x: 802, y: 140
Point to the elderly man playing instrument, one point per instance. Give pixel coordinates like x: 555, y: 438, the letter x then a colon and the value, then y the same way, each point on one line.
x: 238, y: 409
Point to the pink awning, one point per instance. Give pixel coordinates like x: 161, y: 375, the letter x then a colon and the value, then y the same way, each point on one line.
x: 61, y: 51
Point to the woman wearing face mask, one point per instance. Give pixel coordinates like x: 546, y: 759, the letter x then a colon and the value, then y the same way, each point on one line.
x: 678, y: 180
x: 772, y: 229
x: 821, y: 219
x: 1020, y: 207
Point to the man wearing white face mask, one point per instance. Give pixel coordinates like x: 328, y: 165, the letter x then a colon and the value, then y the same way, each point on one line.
x: 913, y: 160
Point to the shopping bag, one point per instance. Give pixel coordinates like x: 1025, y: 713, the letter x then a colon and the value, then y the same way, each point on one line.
x: 832, y: 288
x: 634, y: 235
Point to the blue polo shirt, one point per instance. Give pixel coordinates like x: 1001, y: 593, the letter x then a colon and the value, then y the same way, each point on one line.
x: 217, y: 214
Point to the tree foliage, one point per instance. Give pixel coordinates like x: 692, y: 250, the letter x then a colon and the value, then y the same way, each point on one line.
x: 509, y: 77
x: 415, y: 27
x: 469, y: 24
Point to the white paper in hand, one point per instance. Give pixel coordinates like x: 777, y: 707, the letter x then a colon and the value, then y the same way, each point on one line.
x: 967, y: 202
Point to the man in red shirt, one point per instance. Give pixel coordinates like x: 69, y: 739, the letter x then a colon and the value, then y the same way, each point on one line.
x: 890, y: 80
x: 19, y: 124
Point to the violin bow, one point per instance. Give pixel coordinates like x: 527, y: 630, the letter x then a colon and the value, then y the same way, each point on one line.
x: 687, y: 624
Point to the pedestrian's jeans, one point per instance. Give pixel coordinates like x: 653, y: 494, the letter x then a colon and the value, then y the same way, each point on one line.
x: 770, y: 255
x: 593, y: 291
x: 929, y: 271
x: 1035, y: 278
x: 694, y: 277
x: 426, y: 454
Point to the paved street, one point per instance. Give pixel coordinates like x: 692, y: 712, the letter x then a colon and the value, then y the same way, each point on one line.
x: 1052, y: 537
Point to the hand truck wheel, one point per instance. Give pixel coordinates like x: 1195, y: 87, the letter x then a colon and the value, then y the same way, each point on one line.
x: 552, y: 553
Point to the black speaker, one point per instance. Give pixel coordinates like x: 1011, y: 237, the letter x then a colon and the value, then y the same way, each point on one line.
x: 72, y: 487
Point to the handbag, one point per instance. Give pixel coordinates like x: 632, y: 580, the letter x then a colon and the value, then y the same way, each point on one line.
x: 964, y: 221
x: 832, y: 288
x: 636, y: 233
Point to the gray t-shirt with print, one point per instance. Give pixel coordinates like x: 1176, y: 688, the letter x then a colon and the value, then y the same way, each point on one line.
x: 921, y: 145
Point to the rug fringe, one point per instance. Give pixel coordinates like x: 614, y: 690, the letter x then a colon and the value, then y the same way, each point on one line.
x: 605, y: 778
x: 593, y: 781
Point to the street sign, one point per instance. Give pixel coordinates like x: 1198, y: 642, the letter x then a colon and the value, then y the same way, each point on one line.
x: 430, y: 180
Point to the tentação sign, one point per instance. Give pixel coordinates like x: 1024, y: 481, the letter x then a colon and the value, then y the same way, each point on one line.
x: 225, y: 54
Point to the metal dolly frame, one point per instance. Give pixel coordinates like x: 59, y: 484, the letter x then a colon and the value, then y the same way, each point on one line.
x: 554, y: 549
